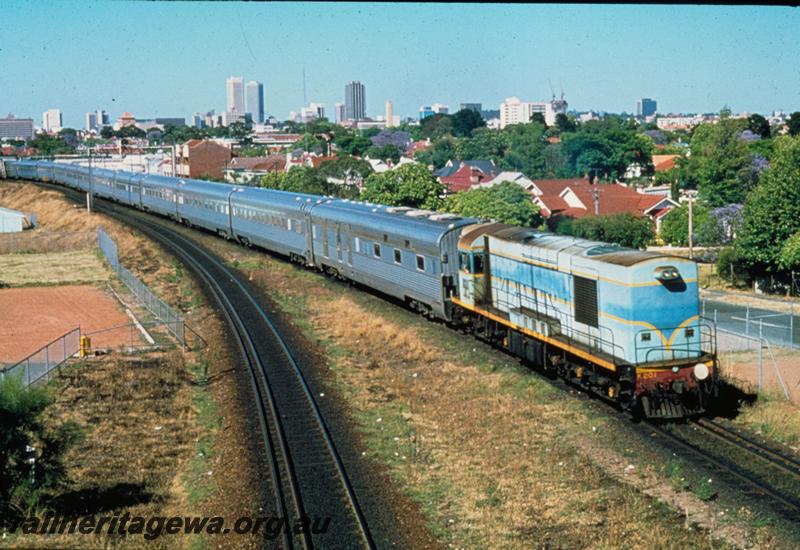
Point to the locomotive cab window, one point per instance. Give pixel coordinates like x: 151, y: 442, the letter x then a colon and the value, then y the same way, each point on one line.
x: 463, y: 261
x: 689, y: 332
x: 477, y: 263
x: 585, y: 300
x: 645, y: 337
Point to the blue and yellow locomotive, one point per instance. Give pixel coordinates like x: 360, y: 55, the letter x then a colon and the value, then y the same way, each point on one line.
x: 618, y: 321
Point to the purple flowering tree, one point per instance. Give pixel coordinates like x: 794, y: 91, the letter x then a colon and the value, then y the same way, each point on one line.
x: 729, y: 220
x: 401, y: 140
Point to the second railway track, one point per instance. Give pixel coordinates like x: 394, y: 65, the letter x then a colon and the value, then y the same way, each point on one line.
x: 309, y: 478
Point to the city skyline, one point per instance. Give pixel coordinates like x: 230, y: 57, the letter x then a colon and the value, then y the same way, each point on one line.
x: 604, y: 58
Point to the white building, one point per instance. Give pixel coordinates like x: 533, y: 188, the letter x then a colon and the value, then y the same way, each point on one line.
x: 339, y: 112
x: 515, y: 111
x: 91, y: 122
x: 235, y: 96
x: 313, y: 111
x: 51, y: 120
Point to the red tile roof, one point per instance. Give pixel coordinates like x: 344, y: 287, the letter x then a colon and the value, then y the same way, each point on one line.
x: 464, y: 178
x: 613, y: 198
x: 273, y: 162
x: 662, y: 163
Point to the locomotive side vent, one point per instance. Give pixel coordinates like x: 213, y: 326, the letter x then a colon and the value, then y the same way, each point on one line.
x: 585, y: 294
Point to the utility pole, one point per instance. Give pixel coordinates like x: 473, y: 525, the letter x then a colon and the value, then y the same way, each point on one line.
x: 90, y: 192
x: 690, y: 195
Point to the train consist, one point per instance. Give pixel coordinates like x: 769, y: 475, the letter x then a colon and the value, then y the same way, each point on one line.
x: 620, y: 322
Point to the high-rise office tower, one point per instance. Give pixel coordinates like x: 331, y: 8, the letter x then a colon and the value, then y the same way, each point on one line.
x: 646, y: 107
x: 355, y: 101
x: 389, y: 114
x: 235, y: 88
x: 91, y: 121
x: 339, y: 112
x: 51, y: 120
x: 255, y: 101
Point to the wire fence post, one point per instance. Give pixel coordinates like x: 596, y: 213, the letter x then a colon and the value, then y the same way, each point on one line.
x: 791, y: 326
x: 760, y: 355
x: 747, y: 321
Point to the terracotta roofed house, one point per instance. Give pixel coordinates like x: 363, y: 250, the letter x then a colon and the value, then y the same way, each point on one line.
x: 198, y: 157
x: 577, y: 198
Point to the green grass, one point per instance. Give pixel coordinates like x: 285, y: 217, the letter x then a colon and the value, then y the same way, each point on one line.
x: 199, y: 485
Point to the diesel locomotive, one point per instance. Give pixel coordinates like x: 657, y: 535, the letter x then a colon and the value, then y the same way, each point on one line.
x: 619, y: 322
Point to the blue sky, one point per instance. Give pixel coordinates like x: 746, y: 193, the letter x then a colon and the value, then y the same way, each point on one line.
x: 172, y: 59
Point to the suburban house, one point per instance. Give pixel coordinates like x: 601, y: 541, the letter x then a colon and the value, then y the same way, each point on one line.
x: 661, y: 163
x: 461, y: 175
x: 514, y: 177
x: 577, y: 198
x: 245, y: 169
x: 198, y: 157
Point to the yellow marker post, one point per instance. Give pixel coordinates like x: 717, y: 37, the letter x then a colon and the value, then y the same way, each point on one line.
x: 86, y: 346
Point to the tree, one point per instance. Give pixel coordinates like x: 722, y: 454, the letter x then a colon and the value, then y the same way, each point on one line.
x: 758, y: 125
x: 408, y: 185
x: 564, y: 123
x: 352, y: 144
x: 720, y: 164
x: 789, y: 259
x: 345, y: 168
x: 506, y: 203
x: 22, y: 423
x: 605, y: 148
x: 483, y: 145
x: 623, y: 229
x: 538, y: 118
x: 438, y: 153
x: 772, y: 210
x: 437, y: 126
x: 48, y: 145
x: 465, y: 121
x: 386, y: 153
x: 310, y: 143
x: 794, y: 123
x: 675, y: 227
x: 107, y: 132
x: 525, y: 152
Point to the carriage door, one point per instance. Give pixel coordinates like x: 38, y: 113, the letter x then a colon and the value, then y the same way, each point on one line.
x: 482, y: 274
x: 339, y: 242
x: 349, y: 246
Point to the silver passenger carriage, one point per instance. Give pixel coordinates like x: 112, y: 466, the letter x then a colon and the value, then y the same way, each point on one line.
x: 275, y: 220
x: 403, y: 252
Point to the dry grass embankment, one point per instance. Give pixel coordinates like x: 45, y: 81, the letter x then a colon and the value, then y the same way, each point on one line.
x: 138, y: 419
x: 54, y: 268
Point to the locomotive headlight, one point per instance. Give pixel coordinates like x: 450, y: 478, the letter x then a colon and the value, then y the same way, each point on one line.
x: 666, y: 273
x: 701, y: 371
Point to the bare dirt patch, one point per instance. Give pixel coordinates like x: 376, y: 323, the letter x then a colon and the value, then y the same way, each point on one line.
x: 34, y: 316
x: 742, y: 367
x: 54, y: 268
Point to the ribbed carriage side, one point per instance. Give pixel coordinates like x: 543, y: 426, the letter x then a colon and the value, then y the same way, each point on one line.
x: 273, y: 220
x: 393, y: 250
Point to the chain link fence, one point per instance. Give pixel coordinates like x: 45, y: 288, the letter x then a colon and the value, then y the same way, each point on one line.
x: 164, y: 313
x: 37, y: 366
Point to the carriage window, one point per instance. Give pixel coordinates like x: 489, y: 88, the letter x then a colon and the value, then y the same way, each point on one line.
x: 357, y: 242
x: 376, y: 250
x: 289, y: 224
x: 398, y: 258
x: 421, y: 263
x: 463, y: 261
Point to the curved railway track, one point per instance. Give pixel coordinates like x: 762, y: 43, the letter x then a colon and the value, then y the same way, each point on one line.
x: 309, y: 478
x: 766, y: 476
